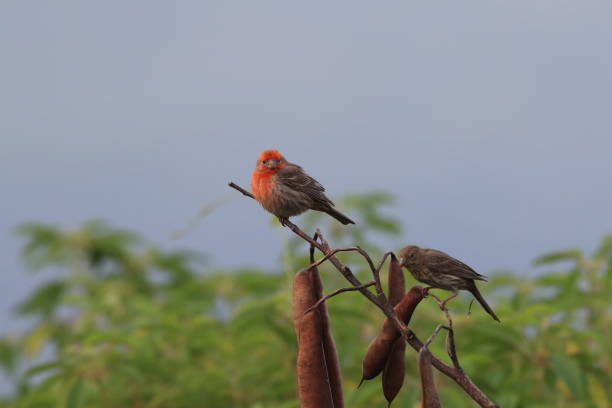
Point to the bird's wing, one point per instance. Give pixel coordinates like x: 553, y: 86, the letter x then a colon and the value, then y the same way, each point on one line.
x: 438, y: 260
x: 295, y: 178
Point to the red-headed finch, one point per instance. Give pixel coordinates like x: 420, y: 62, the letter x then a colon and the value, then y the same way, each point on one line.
x: 285, y: 190
x: 442, y: 271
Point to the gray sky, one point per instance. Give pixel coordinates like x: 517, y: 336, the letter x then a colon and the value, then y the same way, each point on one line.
x: 491, y: 121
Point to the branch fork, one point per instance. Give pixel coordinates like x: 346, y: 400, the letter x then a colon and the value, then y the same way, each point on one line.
x: 380, y: 300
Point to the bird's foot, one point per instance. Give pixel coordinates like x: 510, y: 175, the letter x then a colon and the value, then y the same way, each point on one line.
x: 283, y: 221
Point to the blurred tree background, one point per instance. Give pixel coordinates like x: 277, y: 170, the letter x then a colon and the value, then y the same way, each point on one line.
x: 126, y: 324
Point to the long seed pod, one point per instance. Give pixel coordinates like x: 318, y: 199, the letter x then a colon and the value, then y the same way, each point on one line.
x: 379, y: 349
x: 329, y: 345
x: 313, y: 385
x: 429, y: 397
x: 397, y: 285
x: 304, y: 295
x: 395, y: 367
x: 395, y: 370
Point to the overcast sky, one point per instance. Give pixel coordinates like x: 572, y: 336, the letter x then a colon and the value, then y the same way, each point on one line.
x: 491, y: 121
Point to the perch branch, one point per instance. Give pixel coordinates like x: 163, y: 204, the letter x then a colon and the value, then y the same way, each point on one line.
x: 242, y: 190
x: 375, y: 271
x: 335, y: 251
x: 459, y: 376
x: 450, y: 340
x: 435, y: 333
x: 383, y: 259
x: 337, y: 292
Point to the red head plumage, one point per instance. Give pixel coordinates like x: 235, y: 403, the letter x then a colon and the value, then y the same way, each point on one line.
x: 270, y: 159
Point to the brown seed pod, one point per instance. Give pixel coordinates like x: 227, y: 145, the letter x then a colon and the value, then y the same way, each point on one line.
x: 314, y: 390
x: 395, y: 369
x: 329, y: 346
x: 429, y: 397
x: 313, y: 384
x: 304, y: 295
x: 379, y: 349
x: 397, y: 286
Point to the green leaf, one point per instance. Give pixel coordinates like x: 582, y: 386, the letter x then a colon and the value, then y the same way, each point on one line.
x: 597, y: 392
x: 9, y: 355
x: 569, y: 371
x: 44, y: 300
x: 605, y: 248
x: 572, y: 254
x: 36, y: 339
x: 40, y: 368
x: 75, y: 395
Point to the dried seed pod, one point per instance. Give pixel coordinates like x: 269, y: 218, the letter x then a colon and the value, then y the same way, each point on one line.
x: 397, y: 286
x: 429, y: 397
x: 304, y: 295
x: 313, y: 384
x: 329, y: 346
x: 314, y: 389
x: 379, y: 349
x: 395, y: 369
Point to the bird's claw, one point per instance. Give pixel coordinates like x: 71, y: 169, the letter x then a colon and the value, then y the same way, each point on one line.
x: 283, y: 221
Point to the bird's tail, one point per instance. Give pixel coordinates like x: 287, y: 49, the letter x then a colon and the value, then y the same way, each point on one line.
x: 339, y: 216
x: 474, y: 290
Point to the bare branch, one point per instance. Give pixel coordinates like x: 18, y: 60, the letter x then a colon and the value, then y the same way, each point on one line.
x: 382, y: 303
x: 242, y: 190
x: 335, y: 251
x: 450, y: 340
x: 337, y: 292
x: 435, y: 333
x: 379, y: 299
x: 383, y: 259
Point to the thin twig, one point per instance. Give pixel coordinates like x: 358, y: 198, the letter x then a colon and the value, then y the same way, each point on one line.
x: 470, y: 307
x: 379, y: 300
x: 450, y: 340
x: 459, y: 376
x: 375, y: 271
x: 337, y: 292
x: 335, y: 251
x: 312, y: 249
x: 242, y: 190
x: 383, y: 259
x: 435, y: 333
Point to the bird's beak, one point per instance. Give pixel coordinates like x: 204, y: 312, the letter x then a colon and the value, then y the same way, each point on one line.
x: 401, y: 261
x: 271, y: 164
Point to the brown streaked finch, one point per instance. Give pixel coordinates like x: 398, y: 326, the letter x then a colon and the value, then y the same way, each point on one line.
x: 442, y: 271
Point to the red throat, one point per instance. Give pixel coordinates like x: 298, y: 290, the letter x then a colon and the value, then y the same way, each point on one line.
x: 261, y: 182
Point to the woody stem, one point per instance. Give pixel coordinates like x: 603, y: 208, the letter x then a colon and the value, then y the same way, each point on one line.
x: 458, y: 375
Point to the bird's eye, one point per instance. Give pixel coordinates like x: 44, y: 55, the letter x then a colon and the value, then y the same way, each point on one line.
x: 265, y: 161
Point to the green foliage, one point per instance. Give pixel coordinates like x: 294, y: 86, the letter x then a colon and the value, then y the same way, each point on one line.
x: 126, y: 324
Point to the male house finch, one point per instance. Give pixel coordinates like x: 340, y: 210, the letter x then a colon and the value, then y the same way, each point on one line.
x: 442, y: 271
x: 285, y: 190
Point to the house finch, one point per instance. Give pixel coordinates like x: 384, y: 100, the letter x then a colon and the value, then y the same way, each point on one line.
x: 442, y: 271
x: 285, y: 190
